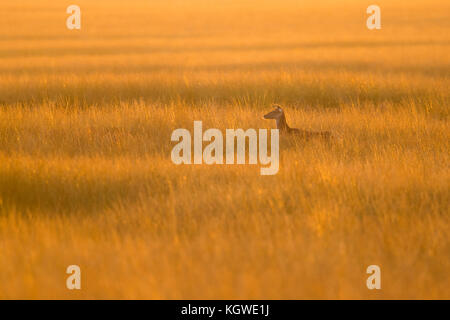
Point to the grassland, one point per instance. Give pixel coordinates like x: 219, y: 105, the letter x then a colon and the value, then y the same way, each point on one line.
x: 85, y: 170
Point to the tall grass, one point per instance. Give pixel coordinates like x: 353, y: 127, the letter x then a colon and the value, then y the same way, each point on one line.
x: 85, y: 170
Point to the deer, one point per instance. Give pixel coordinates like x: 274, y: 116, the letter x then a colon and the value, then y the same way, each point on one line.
x: 278, y: 115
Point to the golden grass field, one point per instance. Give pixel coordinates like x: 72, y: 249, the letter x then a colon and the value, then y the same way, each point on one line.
x: 85, y: 170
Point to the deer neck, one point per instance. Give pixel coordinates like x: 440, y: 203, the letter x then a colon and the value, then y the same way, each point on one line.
x: 282, y: 124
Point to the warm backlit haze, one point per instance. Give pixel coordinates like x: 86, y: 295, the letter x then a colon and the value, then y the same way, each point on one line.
x: 85, y: 170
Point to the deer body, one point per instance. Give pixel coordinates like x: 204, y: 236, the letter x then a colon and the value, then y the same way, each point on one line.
x: 280, y: 118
